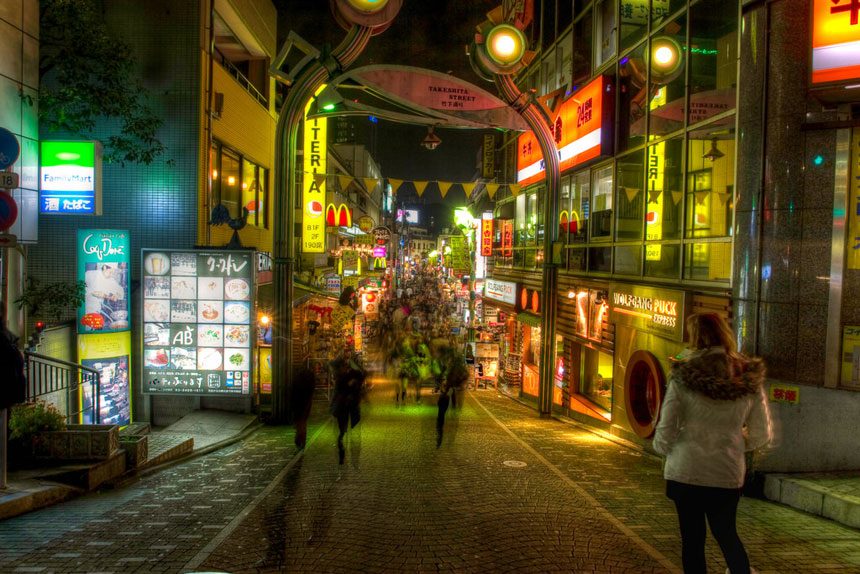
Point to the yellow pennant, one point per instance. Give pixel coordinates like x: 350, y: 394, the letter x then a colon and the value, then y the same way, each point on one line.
x: 395, y: 184
x: 420, y: 186
x: 319, y: 179
x: 701, y: 196
x: 344, y: 181
x: 444, y: 186
x: 492, y: 188
x: 370, y: 183
x: 514, y: 188
x: 724, y: 197
x: 631, y: 193
x: 468, y: 188
x: 676, y: 197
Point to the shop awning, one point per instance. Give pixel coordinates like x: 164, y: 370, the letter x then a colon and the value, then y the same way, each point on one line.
x: 529, y: 319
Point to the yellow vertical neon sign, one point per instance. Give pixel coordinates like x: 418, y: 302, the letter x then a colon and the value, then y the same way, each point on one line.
x: 313, y: 190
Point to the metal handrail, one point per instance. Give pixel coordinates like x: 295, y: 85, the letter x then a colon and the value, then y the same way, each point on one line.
x: 49, y: 375
x: 241, y: 78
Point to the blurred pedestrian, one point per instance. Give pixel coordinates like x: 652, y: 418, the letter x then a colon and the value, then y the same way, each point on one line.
x: 304, y: 383
x: 715, y: 410
x: 349, y: 379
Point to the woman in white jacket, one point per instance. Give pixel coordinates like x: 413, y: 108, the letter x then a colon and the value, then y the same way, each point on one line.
x: 715, y: 410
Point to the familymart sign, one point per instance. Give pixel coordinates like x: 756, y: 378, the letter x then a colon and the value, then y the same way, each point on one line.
x: 70, y: 178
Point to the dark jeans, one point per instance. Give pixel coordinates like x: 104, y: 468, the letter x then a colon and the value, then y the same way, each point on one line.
x: 443, y: 403
x: 720, y: 506
x: 347, y: 417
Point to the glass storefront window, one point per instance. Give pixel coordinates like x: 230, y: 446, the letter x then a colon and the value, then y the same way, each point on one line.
x: 601, y: 203
x: 708, y: 262
x: 634, y: 22
x: 564, y: 217
x: 531, y: 229
x: 628, y: 260
x: 579, y: 207
x: 665, y: 193
x: 596, y: 381
x: 662, y: 261
x: 667, y: 96
x: 661, y: 10
x: 576, y: 259
x: 250, y: 188
x: 600, y: 259
x: 630, y: 198
x: 582, y: 44
x: 520, y: 221
x: 605, y: 29
x: 632, y: 87
x: 710, y: 180
x: 231, y: 191
x: 713, y: 58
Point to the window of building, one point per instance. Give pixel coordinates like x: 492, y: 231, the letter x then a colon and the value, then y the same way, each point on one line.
x: 579, y: 206
x: 667, y: 97
x: 582, y: 48
x: 662, y: 10
x: 632, y: 96
x: 239, y: 183
x: 605, y: 31
x: 564, y: 49
x: 713, y: 58
x: 630, y: 196
x: 231, y: 183
x: 531, y: 235
x: 600, y: 259
x: 520, y: 221
x: 628, y: 260
x: 664, y: 208
x: 550, y: 81
x: 565, y: 14
x: 596, y: 381
x: 601, y: 203
x: 548, y: 22
x: 564, y: 209
x: 634, y: 22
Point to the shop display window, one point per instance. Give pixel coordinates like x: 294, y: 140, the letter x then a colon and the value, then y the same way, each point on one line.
x: 710, y: 261
x: 632, y: 97
x: 564, y: 218
x: 667, y: 103
x: 713, y: 58
x: 520, y: 221
x: 711, y: 180
x: 596, y: 380
x: 630, y: 196
x: 601, y: 203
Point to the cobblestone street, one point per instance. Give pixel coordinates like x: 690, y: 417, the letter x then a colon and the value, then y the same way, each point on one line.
x: 506, y: 492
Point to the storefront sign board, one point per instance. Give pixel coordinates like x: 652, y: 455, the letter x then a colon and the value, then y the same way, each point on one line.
x: 835, y: 41
x: 70, y: 181
x: 582, y: 131
x: 658, y: 311
x: 198, y: 325
x: 110, y: 355
x: 104, y: 264
x: 784, y: 394
x: 313, y: 191
x: 503, y: 291
x: 487, y: 234
x: 489, y: 155
x: 507, y: 238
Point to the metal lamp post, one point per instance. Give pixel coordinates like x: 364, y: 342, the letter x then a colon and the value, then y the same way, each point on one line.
x: 498, y: 52
x: 303, y: 69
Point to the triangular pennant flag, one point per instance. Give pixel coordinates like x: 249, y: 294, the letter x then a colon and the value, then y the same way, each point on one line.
x: 514, y: 188
x: 420, y: 186
x: 319, y: 179
x: 370, y: 183
x: 676, y: 197
x: 701, y: 196
x: 492, y: 188
x: 724, y: 197
x: 395, y: 184
x: 631, y: 193
x: 444, y: 186
x: 468, y: 188
x: 344, y: 181
x: 654, y: 195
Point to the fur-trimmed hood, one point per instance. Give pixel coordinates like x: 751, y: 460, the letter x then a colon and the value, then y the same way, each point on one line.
x: 717, y: 376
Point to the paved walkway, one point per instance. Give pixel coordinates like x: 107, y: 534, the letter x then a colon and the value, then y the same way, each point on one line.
x: 506, y: 492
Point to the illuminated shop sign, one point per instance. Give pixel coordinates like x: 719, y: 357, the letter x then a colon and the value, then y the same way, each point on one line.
x: 104, y: 263
x: 70, y: 178
x: 529, y: 300
x: 503, y: 291
x: 658, y: 311
x: 197, y: 322
x: 110, y: 355
x: 313, y: 186
x: 835, y: 41
x: 581, y: 129
x: 338, y: 216
x: 487, y: 234
x: 507, y: 238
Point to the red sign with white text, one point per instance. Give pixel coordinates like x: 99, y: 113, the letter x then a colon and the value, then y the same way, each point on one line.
x: 487, y: 236
x: 835, y: 41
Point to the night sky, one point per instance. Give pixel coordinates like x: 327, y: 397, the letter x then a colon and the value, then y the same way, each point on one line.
x: 427, y: 34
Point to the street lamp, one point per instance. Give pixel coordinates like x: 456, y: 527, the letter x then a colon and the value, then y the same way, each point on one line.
x: 497, y: 53
x: 303, y: 70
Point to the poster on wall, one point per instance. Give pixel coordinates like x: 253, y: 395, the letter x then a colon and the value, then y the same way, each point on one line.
x: 110, y: 355
x: 264, y: 368
x: 197, y: 322
x: 103, y: 265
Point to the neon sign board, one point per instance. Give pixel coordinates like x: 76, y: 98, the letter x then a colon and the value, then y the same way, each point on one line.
x: 658, y: 311
x: 313, y: 192
x: 70, y: 178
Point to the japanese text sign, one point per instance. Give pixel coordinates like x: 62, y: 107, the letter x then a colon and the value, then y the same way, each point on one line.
x: 784, y: 394
x: 313, y: 190
x: 835, y: 41
x: 70, y: 178
x: 487, y: 234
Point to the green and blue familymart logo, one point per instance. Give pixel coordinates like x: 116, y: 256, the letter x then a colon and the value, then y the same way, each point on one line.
x: 69, y: 178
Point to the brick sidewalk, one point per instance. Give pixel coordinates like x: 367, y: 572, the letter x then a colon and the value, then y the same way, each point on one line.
x: 578, y: 504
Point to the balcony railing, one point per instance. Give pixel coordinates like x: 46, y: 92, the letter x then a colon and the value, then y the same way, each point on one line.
x: 241, y: 78
x: 65, y: 385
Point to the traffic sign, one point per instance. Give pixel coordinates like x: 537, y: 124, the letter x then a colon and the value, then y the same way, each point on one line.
x: 8, y: 210
x: 8, y: 180
x: 9, y: 148
x: 8, y: 240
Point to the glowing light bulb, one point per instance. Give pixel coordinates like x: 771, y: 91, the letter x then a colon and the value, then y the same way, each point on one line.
x: 231, y: 180
x: 664, y: 55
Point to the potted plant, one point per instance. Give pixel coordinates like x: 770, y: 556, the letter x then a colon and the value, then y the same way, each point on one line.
x: 28, y: 424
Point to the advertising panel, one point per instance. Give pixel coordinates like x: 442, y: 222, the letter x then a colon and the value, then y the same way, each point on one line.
x: 581, y: 133
x: 487, y: 234
x: 110, y: 355
x: 507, y: 238
x: 264, y: 368
x: 197, y: 322
x: 313, y: 190
x: 104, y: 263
x: 488, y: 166
x: 407, y: 215
x: 503, y: 291
x: 70, y: 178
x: 658, y: 311
x: 835, y: 41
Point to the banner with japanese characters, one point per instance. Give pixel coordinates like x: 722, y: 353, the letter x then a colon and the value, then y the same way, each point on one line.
x: 197, y: 322
x: 104, y: 263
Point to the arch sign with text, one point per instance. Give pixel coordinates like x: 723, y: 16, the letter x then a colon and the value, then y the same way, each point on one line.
x: 582, y: 129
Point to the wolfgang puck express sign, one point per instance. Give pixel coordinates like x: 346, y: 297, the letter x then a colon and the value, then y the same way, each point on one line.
x: 658, y: 311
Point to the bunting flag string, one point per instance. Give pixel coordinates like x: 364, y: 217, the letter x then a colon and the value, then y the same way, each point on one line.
x: 395, y: 184
x: 420, y: 186
x: 676, y: 197
x: 344, y: 181
x: 492, y: 188
x: 444, y: 186
x: 468, y: 188
x: 701, y: 196
x: 631, y: 193
x: 515, y: 188
x: 723, y: 197
x: 319, y: 179
x: 370, y: 183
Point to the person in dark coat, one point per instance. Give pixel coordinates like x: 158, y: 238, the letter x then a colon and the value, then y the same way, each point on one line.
x: 304, y: 383
x: 349, y: 378
x: 13, y: 383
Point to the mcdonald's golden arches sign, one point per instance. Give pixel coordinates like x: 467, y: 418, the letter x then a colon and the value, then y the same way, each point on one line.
x: 339, y: 216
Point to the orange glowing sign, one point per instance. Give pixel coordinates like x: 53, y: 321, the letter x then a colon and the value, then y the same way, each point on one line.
x: 487, y: 235
x: 835, y: 41
x: 507, y: 238
x: 581, y: 132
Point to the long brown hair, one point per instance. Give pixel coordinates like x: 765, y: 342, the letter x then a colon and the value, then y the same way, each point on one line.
x: 711, y: 330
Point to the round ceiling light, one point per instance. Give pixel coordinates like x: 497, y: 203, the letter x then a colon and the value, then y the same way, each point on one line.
x: 368, y: 6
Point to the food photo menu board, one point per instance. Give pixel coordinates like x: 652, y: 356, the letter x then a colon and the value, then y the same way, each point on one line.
x: 197, y: 311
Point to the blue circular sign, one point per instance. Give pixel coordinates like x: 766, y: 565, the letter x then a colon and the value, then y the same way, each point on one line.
x: 9, y: 148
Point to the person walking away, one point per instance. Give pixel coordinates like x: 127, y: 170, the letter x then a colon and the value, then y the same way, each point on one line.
x: 715, y: 410
x: 346, y: 402
x: 13, y: 387
x: 304, y: 383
